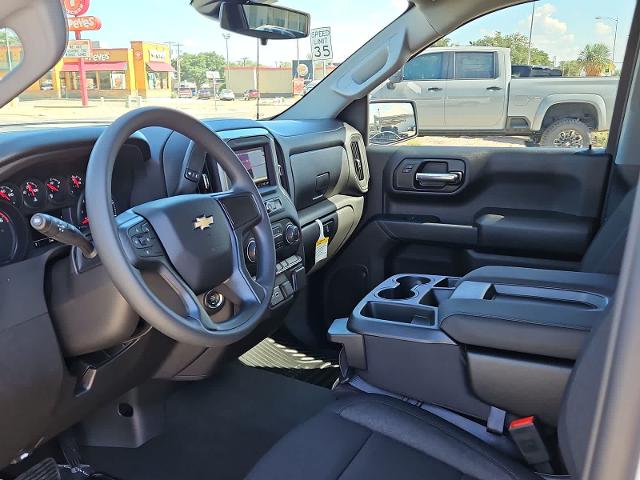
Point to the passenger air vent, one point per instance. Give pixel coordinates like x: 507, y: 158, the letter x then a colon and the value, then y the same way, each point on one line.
x: 357, y: 159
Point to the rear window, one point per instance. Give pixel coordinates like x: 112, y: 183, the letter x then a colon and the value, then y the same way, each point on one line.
x: 470, y: 65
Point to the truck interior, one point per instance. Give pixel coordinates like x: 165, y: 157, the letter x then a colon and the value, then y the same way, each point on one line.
x: 316, y: 295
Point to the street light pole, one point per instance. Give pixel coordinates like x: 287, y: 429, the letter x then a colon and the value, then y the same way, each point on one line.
x: 615, y: 36
x: 533, y: 12
x: 226, y: 37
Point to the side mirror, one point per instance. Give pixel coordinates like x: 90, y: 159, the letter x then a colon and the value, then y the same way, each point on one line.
x: 263, y: 21
x: 392, y: 121
x: 393, y: 79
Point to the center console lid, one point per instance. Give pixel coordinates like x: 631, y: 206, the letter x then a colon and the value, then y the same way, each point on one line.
x: 539, y: 312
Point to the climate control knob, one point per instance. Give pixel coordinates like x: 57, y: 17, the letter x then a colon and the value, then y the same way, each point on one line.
x: 252, y: 248
x: 291, y: 234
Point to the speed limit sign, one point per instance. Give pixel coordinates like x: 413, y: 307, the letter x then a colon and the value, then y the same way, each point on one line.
x: 321, y: 48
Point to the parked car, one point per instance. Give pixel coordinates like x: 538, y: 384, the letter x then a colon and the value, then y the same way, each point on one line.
x: 251, y: 94
x: 227, y: 94
x: 204, y: 94
x: 465, y: 90
x: 185, y: 92
x: 309, y: 86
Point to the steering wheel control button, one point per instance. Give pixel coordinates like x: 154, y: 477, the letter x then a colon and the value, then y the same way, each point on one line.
x: 192, y: 175
x: 144, y: 241
x: 277, y: 296
x: 213, y: 301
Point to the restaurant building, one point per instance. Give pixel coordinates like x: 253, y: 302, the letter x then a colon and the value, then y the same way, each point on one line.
x: 143, y: 69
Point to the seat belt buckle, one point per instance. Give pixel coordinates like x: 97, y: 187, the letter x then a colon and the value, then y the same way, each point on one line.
x: 527, y: 438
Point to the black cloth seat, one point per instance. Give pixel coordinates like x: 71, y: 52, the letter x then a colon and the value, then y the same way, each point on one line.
x: 372, y: 437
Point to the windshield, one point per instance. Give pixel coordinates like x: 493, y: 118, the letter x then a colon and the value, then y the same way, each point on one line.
x: 123, y: 55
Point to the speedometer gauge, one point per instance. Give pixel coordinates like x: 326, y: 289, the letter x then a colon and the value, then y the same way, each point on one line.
x: 8, y: 239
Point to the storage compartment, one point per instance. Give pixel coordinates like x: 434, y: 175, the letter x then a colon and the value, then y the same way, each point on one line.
x: 436, y: 296
x: 404, y: 289
x: 400, y: 313
x: 447, y: 282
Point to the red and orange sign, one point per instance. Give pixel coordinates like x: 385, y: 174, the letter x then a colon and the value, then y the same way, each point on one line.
x: 76, y: 7
x: 80, y: 24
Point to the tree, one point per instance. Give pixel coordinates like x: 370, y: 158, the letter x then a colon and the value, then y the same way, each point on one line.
x: 570, y: 68
x: 519, y: 45
x: 194, y: 67
x: 595, y: 58
x: 8, y: 36
x: 443, y: 42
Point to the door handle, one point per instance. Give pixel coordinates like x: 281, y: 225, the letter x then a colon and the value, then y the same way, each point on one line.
x: 494, y: 89
x: 434, y: 89
x: 451, y: 178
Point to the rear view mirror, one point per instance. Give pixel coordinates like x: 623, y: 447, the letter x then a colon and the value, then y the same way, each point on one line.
x: 391, y: 121
x: 267, y: 22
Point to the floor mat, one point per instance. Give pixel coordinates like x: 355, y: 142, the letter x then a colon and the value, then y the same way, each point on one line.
x: 217, y: 428
x: 316, y: 368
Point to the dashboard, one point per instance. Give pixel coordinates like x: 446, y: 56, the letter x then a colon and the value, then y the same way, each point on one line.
x: 312, y: 177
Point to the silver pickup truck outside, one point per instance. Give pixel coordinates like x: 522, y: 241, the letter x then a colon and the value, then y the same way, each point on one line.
x: 470, y: 91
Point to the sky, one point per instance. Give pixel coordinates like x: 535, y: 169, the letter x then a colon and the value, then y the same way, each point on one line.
x: 561, y: 27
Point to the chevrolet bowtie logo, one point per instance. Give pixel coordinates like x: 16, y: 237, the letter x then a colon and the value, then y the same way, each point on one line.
x: 203, y: 222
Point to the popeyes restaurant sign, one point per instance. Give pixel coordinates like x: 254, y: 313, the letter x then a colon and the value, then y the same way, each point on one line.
x: 76, y: 21
x: 79, y: 24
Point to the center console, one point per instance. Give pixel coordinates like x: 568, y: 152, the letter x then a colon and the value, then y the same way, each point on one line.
x: 500, y: 336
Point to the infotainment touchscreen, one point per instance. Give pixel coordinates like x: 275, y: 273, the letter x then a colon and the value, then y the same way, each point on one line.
x: 255, y: 161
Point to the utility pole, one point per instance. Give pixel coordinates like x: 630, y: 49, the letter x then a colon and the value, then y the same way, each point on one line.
x: 258, y: 78
x: 226, y: 37
x: 6, y: 42
x: 179, y: 73
x: 533, y: 13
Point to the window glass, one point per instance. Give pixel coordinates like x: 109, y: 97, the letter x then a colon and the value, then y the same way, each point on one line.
x: 524, y: 76
x: 474, y: 65
x: 166, y: 52
x: 10, y: 51
x: 425, y: 67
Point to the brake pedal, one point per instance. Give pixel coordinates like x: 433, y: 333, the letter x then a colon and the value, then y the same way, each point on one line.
x: 47, y: 469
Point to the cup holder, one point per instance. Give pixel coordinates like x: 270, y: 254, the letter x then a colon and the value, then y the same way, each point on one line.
x: 404, y: 289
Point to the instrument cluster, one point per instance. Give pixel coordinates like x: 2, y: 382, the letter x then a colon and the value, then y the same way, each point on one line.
x: 58, y: 195
x: 34, y: 194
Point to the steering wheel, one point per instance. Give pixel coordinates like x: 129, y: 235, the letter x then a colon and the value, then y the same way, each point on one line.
x: 193, y: 241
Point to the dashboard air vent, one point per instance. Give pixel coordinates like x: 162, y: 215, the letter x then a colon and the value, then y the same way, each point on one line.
x: 357, y: 159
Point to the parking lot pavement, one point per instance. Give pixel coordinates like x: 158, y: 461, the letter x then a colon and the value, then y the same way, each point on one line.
x: 71, y: 111
x: 491, y: 141
x: 56, y: 110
